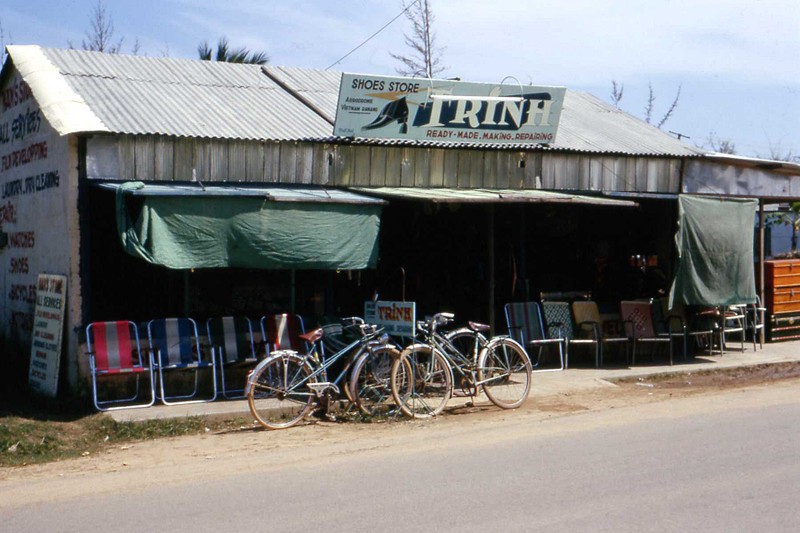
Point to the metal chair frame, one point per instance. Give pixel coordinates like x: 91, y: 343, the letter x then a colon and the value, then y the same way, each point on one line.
x: 231, y: 342
x: 587, y: 317
x: 525, y: 325
x: 115, y: 350
x: 637, y: 318
x: 559, y: 323
x: 175, y: 345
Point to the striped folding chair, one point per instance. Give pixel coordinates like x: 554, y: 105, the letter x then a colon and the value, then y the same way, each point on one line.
x: 525, y: 325
x: 282, y: 332
x: 115, y: 352
x: 231, y: 341
x: 175, y: 345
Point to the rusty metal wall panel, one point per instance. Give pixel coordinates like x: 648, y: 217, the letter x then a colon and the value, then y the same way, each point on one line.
x: 164, y: 159
x: 362, y: 168
x: 127, y: 159
x: 407, y: 168
x: 345, y: 165
x: 272, y: 162
x: 377, y: 166
x: 422, y: 167
x: 217, y: 161
x: 184, y: 158
x: 450, y: 176
x: 200, y: 161
x: 394, y: 166
x: 321, y: 159
x: 144, y: 149
x: 436, y: 166
x: 287, y: 166
x: 305, y: 165
x: 253, y: 161
x: 237, y: 161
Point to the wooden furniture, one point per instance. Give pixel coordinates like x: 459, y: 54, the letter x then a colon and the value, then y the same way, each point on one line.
x: 782, y: 298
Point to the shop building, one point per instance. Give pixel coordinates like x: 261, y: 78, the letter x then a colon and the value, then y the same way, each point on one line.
x: 100, y: 154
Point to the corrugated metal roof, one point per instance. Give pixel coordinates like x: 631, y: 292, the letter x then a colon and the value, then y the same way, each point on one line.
x: 441, y: 195
x: 180, y: 97
x: 193, y: 98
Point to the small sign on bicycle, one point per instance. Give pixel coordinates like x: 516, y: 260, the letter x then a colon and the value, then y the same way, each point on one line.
x: 396, y: 318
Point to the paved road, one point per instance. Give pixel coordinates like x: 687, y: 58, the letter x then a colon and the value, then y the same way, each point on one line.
x: 729, y: 462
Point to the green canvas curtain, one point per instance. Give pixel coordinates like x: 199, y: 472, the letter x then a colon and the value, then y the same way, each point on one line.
x: 715, y: 251
x: 207, y: 231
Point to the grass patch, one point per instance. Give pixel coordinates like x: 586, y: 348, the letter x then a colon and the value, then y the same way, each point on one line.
x: 26, y: 440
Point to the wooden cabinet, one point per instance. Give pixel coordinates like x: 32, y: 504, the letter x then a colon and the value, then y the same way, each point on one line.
x: 782, y: 298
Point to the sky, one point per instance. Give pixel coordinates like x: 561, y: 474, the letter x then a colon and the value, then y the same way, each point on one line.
x: 734, y: 61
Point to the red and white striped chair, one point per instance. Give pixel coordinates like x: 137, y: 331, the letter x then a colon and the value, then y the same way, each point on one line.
x: 282, y: 332
x: 115, y: 352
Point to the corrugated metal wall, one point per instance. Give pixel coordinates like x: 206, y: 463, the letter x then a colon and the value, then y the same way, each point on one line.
x: 167, y: 158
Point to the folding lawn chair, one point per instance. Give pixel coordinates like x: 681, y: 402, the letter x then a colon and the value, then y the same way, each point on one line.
x: 524, y: 320
x: 175, y: 344
x: 231, y: 341
x: 282, y: 332
x: 587, y: 318
x: 115, y: 351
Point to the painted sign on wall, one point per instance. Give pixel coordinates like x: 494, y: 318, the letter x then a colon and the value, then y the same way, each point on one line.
x: 396, y: 318
x: 444, y: 110
x: 48, y: 323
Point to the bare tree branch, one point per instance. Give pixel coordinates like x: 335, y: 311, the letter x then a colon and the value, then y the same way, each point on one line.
x: 617, y: 90
x: 717, y: 144
x: 425, y: 57
x: 651, y: 100
x: 671, y: 109
x: 100, y: 37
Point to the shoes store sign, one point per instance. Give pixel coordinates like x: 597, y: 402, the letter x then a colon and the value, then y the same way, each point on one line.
x: 448, y: 111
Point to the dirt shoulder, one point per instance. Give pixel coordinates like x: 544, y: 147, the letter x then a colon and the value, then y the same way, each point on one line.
x: 97, y: 442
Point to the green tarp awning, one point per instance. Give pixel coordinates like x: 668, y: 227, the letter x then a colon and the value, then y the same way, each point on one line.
x: 192, y: 226
x: 715, y: 251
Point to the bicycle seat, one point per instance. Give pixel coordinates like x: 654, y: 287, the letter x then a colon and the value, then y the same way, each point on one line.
x: 475, y: 326
x: 312, y: 336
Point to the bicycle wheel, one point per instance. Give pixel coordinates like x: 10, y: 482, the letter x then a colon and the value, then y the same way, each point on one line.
x: 463, y: 340
x: 370, y: 383
x: 504, y: 371
x: 279, y: 396
x: 421, y: 381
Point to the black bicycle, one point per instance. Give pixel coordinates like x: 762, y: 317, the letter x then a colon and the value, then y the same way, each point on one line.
x: 287, y: 386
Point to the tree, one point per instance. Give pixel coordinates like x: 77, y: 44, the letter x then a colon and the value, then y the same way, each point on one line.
x: 617, y: 90
x: 226, y: 54
x: 100, y: 37
x: 722, y: 146
x: 425, y: 57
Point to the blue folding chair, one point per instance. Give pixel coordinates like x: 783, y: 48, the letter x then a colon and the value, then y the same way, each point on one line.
x: 175, y: 345
x: 231, y: 341
x: 525, y: 325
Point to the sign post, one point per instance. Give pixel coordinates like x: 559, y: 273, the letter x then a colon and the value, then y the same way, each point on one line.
x: 48, y: 323
x: 396, y: 318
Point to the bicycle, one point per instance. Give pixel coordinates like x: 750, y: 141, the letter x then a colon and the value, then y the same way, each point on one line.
x: 422, y: 379
x: 287, y: 386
